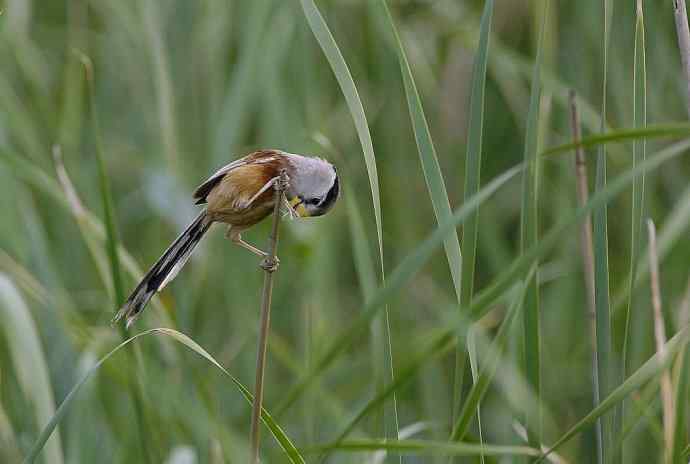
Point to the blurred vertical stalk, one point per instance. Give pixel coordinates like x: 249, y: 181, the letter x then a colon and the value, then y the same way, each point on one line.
x: 164, y: 87
x: 681, y: 17
x: 660, y: 337
x: 269, y: 265
x: 587, y: 251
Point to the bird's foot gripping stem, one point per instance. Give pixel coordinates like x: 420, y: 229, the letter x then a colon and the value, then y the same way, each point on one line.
x: 269, y: 264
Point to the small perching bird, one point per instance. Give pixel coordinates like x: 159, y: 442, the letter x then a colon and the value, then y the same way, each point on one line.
x: 241, y: 194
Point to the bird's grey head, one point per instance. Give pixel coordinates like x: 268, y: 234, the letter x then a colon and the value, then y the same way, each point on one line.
x: 314, y: 185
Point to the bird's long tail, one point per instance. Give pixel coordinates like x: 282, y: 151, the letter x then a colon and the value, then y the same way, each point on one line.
x: 165, y: 269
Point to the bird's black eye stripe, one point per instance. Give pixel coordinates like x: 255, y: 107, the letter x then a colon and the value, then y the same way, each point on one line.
x: 332, y: 193
x: 311, y: 201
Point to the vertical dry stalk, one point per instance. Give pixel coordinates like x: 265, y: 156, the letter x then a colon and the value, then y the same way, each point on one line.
x: 660, y: 335
x: 586, y: 249
x: 582, y: 197
x: 683, y: 32
x: 269, y: 265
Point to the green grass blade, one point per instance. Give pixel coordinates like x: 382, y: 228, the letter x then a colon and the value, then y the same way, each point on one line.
x: 604, y: 349
x: 424, y: 447
x: 347, y: 85
x: 398, y: 278
x: 428, y: 158
x: 104, y: 184
x: 28, y: 359
x: 473, y: 163
x: 653, y: 131
x: 480, y: 387
x: 648, y: 371
x: 638, y: 193
x: 529, y: 237
x: 282, y: 439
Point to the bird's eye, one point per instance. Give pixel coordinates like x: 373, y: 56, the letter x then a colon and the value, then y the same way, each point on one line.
x: 311, y: 201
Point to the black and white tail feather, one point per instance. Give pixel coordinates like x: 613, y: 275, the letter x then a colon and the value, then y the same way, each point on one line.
x: 164, y: 270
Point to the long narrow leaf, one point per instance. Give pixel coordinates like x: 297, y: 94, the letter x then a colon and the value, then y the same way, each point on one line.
x: 528, y: 238
x: 428, y: 158
x: 423, y: 447
x: 473, y: 162
x: 347, y: 85
x: 638, y: 193
x: 604, y: 350
x: 640, y: 134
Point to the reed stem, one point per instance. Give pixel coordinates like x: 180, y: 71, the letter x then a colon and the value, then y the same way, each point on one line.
x: 269, y: 265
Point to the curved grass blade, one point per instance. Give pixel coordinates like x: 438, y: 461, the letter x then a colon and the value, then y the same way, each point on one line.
x: 428, y: 158
x: 424, y: 447
x: 399, y: 277
x: 279, y: 435
x: 347, y: 85
x: 653, y: 367
x: 676, y: 130
x: 28, y: 359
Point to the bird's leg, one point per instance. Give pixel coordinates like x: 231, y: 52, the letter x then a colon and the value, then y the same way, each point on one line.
x: 236, y: 237
x: 266, y: 186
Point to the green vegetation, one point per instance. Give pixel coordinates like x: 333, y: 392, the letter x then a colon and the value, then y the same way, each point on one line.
x: 439, y: 312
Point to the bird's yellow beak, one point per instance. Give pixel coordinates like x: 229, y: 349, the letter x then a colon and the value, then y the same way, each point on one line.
x: 298, y: 206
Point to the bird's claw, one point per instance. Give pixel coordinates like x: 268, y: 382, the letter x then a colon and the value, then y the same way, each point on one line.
x: 269, y: 265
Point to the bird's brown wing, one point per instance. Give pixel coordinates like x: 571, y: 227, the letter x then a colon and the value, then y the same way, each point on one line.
x: 257, y: 157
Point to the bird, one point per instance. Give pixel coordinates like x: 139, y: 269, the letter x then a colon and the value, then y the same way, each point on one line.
x: 240, y: 195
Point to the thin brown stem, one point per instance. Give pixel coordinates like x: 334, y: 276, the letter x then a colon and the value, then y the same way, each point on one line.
x: 681, y: 16
x: 660, y: 336
x: 269, y: 265
x: 586, y: 249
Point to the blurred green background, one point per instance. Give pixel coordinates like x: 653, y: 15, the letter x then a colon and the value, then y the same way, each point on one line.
x: 183, y: 87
